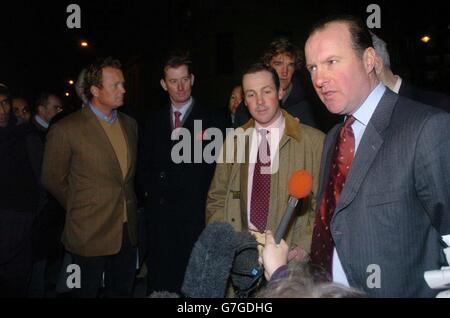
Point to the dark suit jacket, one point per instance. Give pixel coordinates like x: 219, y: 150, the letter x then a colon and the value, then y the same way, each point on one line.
x: 432, y: 98
x: 395, y: 204
x: 82, y: 172
x: 175, y: 195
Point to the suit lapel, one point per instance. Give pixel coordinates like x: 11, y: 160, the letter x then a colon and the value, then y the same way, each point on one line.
x: 370, y: 144
x: 365, y: 155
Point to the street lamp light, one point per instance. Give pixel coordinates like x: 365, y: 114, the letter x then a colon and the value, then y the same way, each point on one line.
x: 425, y: 39
x: 84, y: 44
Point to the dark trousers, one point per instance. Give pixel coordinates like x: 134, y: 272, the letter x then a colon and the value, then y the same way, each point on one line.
x: 166, y: 263
x: 15, y: 252
x: 119, y: 270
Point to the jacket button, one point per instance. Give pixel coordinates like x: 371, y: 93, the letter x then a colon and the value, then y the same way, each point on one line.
x: 162, y: 175
x: 232, y: 219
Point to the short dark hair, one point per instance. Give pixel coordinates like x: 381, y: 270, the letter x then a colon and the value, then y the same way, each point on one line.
x: 94, y: 73
x: 42, y: 100
x: 260, y: 67
x: 283, y: 46
x: 360, y: 36
x: 176, y: 59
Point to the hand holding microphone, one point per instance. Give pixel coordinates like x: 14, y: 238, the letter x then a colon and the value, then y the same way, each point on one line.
x: 273, y: 255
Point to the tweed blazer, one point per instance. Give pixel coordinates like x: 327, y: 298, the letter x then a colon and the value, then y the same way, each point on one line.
x: 82, y: 172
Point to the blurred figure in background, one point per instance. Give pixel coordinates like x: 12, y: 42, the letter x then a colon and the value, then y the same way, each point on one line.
x: 20, y: 163
x: 236, y: 98
x: 21, y: 110
x: 399, y: 85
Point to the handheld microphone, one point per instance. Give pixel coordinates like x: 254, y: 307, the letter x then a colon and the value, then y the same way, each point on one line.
x: 246, y: 271
x: 299, y: 187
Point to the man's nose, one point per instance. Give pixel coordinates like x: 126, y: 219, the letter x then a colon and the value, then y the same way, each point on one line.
x: 259, y: 99
x: 319, y: 78
x: 284, y: 70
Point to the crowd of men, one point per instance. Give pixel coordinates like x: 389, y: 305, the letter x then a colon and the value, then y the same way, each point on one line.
x: 95, y: 190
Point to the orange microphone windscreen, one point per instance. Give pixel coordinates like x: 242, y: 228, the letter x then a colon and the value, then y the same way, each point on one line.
x: 300, y: 184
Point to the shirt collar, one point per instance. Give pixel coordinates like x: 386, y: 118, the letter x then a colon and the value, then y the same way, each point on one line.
x: 276, y: 125
x: 183, y: 109
x: 41, y: 121
x: 365, y: 112
x: 397, y: 85
x: 102, y: 116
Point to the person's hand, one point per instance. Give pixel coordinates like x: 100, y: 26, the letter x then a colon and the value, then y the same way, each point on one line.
x: 273, y: 255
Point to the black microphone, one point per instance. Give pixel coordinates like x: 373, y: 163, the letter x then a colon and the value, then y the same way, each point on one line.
x: 246, y: 271
x: 210, y: 263
x: 299, y: 187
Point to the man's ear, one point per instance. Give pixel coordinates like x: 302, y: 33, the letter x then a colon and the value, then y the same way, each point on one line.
x: 192, y: 79
x: 163, y: 84
x: 94, y: 90
x: 369, y: 59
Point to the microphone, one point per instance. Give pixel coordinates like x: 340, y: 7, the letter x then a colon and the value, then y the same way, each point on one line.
x: 299, y: 187
x: 246, y: 271
x: 210, y: 263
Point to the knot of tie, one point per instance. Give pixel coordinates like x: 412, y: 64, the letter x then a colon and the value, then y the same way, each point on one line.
x: 264, y: 148
x: 349, y: 121
x: 263, y: 132
x: 177, y: 119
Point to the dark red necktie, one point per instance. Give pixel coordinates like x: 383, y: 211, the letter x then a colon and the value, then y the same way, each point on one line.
x: 322, y: 241
x: 177, y: 119
x: 259, y: 205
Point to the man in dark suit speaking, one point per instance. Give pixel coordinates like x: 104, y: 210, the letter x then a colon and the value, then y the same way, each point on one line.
x: 384, y: 200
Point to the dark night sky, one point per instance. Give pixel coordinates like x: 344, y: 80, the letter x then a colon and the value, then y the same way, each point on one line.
x: 38, y: 52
